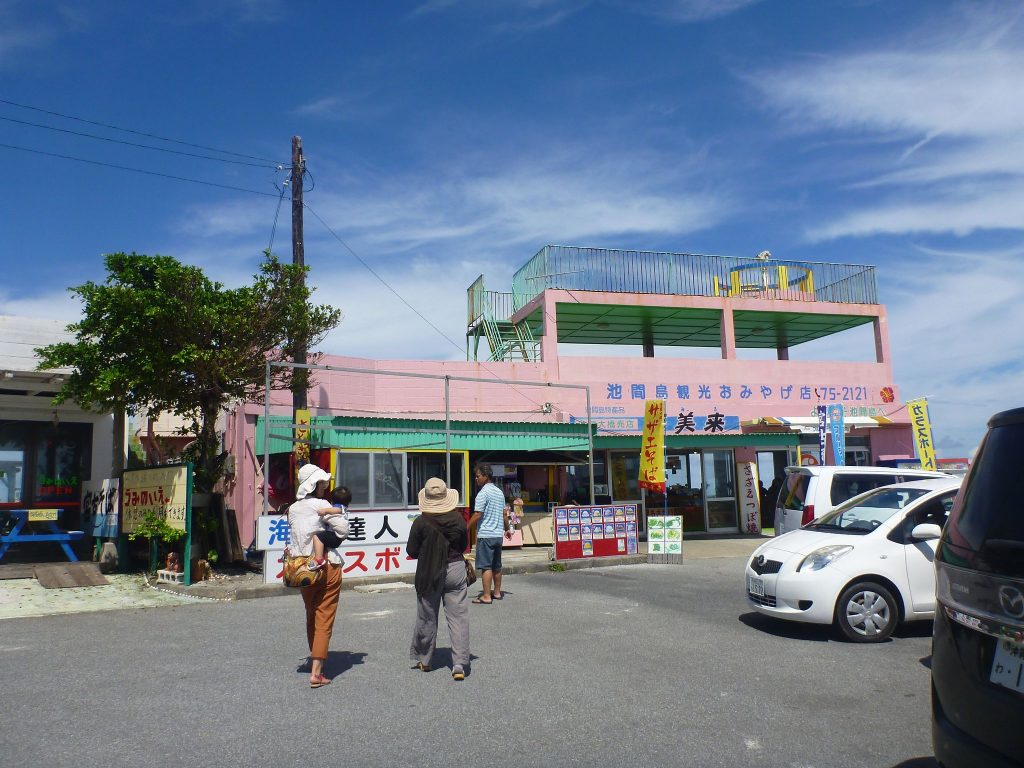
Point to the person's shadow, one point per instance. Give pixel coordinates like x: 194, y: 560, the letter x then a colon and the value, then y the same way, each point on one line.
x: 442, y: 658
x: 337, y: 663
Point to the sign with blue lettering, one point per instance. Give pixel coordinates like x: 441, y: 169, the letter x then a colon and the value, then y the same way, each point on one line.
x: 837, y: 425
x: 822, y: 419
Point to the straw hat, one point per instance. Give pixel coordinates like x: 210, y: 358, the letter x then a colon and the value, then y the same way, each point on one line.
x: 309, y: 475
x: 436, y: 498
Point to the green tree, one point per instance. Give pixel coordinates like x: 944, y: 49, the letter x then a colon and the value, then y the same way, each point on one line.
x: 159, y: 337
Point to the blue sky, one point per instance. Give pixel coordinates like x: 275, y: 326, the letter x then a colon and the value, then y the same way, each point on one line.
x: 450, y: 138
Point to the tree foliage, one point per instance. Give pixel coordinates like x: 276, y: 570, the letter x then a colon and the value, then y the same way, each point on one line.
x: 158, y: 336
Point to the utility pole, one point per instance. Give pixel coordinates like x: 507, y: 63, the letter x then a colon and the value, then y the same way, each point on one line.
x: 299, y: 260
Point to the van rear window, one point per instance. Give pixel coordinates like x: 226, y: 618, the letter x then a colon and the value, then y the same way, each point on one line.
x: 986, y: 527
x: 794, y: 492
x: 847, y: 485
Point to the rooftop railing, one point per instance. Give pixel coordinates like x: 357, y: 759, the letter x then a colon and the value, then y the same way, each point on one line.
x: 688, y: 274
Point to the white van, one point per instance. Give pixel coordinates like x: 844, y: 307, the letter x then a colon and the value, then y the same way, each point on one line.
x: 810, y: 492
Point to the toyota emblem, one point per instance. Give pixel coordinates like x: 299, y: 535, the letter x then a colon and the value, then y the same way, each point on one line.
x: 760, y: 561
x: 1012, y: 601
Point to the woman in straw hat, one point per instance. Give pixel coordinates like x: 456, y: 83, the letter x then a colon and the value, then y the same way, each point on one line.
x: 321, y: 599
x: 437, y: 540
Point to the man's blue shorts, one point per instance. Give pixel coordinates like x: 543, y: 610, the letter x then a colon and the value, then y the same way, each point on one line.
x: 488, y: 554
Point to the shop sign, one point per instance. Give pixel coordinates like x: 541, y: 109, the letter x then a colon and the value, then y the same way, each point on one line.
x: 922, y: 425
x: 100, y: 505
x: 652, y: 450
x: 595, y: 531
x: 376, y: 544
x: 164, y: 491
x: 837, y: 426
x: 43, y: 515
x: 750, y: 496
x: 665, y: 535
x: 749, y: 391
x: 822, y: 432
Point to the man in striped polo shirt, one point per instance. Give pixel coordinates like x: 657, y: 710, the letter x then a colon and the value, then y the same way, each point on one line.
x: 489, y: 511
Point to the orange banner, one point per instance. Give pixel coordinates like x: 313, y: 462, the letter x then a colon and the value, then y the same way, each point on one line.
x: 652, y: 451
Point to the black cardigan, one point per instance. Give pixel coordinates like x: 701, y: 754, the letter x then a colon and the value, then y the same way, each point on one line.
x: 435, y: 541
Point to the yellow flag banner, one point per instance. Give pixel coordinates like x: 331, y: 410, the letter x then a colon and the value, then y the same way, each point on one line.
x: 652, y: 452
x: 922, y: 425
x: 302, y: 420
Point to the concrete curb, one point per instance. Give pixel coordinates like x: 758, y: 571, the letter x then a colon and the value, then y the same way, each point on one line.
x: 229, y: 592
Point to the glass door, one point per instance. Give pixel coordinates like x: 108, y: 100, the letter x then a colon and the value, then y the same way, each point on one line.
x: 720, y: 491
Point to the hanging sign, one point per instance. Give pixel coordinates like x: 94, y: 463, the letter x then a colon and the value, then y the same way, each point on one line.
x: 837, y: 425
x: 822, y: 432
x: 922, y: 432
x: 652, y: 451
x: 302, y: 421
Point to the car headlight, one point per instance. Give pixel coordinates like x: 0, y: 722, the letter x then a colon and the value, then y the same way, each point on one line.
x: 819, y: 558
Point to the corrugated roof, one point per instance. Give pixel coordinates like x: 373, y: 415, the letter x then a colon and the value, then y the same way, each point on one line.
x: 425, y: 434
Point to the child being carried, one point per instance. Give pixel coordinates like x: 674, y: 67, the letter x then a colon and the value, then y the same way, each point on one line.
x: 335, y: 521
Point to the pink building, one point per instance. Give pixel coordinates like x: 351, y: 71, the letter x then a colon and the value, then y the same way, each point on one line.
x: 380, y: 425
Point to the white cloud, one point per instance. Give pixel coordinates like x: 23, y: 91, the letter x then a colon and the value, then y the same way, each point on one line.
x: 948, y: 313
x: 943, y: 101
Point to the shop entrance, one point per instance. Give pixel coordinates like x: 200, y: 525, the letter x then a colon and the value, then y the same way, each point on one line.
x: 700, y: 487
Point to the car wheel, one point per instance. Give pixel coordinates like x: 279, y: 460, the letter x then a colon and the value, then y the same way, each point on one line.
x: 867, y: 613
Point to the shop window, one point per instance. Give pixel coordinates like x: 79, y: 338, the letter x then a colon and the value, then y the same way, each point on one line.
x: 423, y: 466
x: 12, y: 470
x: 625, y: 476
x: 43, y: 462
x: 375, y: 479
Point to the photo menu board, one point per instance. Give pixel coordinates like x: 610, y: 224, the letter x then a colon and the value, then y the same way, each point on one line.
x: 595, y: 531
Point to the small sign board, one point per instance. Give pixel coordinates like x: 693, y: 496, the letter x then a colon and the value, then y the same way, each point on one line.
x: 595, y: 531
x: 41, y: 515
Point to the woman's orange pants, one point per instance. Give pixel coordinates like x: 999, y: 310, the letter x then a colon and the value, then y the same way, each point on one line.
x: 321, y: 601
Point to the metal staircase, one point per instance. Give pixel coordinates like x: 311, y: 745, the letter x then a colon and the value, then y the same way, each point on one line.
x: 509, y: 341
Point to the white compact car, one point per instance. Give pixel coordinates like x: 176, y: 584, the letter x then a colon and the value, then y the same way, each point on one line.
x: 866, y: 566
x: 810, y: 492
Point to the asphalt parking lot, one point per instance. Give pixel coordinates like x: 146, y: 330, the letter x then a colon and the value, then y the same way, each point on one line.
x: 631, y: 665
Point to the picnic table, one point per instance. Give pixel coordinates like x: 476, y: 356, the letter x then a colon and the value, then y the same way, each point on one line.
x: 23, y: 533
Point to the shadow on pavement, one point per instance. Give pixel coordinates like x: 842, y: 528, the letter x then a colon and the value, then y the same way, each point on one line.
x: 794, y: 630
x: 341, y: 661
x: 918, y: 762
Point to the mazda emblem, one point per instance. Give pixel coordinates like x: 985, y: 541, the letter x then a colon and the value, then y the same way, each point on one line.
x: 1012, y: 601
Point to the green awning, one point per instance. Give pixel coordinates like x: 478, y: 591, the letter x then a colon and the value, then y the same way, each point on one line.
x: 424, y: 434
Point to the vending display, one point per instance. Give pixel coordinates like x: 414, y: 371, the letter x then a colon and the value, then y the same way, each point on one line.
x: 597, y: 531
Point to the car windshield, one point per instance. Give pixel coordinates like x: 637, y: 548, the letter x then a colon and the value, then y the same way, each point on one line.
x: 866, y: 512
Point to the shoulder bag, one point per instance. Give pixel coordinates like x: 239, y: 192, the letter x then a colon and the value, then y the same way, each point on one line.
x: 296, y: 571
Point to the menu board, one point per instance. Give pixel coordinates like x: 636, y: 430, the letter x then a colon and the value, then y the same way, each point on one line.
x: 595, y: 531
x: 665, y: 535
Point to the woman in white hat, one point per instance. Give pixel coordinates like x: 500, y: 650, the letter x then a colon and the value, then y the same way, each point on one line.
x: 437, y: 540
x: 321, y: 599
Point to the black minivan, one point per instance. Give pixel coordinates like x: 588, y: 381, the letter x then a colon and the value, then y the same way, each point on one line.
x: 978, y: 643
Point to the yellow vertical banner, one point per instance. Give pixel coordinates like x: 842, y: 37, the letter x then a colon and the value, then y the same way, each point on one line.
x: 922, y: 425
x: 301, y: 438
x: 652, y: 451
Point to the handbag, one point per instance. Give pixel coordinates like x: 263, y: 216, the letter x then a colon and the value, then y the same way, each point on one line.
x: 470, y: 572
x: 296, y: 571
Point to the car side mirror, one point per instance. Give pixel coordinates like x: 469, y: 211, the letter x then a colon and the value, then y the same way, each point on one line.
x: 925, y: 532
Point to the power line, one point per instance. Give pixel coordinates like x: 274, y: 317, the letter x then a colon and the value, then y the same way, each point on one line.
x: 401, y: 298
x: 137, y: 133
x: 138, y: 170
x: 134, y: 144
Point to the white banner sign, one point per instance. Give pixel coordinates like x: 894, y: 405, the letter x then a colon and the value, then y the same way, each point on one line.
x: 375, y: 545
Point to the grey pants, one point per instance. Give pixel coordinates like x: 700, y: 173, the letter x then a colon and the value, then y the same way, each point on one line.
x: 456, y: 611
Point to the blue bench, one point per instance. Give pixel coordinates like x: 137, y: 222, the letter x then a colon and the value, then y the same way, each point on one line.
x: 19, y: 534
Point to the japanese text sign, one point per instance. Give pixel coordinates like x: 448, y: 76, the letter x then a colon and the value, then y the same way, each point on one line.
x: 652, y: 450
x: 100, y: 507
x: 822, y: 432
x: 164, y: 491
x: 922, y: 425
x: 750, y: 496
x: 837, y: 426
